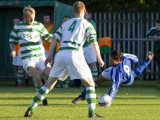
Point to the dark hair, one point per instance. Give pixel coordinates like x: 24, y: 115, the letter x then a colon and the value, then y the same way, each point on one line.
x: 66, y: 16
x: 116, y: 54
x: 47, y: 14
x: 17, y: 17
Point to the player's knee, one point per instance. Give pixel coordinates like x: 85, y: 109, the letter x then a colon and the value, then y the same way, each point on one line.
x: 46, y: 71
x: 87, y: 82
x: 92, y: 65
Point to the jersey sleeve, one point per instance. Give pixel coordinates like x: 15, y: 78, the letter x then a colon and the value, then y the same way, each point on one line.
x: 91, y: 33
x: 58, y: 34
x: 132, y: 57
x: 44, y: 33
x: 93, y: 23
x: 13, y: 36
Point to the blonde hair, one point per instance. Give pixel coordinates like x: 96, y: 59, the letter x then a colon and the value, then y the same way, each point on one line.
x: 28, y: 11
x: 78, y: 7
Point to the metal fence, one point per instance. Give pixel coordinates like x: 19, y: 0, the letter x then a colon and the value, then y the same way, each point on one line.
x: 124, y: 25
x: 128, y: 33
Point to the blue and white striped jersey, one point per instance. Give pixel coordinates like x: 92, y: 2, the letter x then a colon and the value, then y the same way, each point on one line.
x: 121, y: 73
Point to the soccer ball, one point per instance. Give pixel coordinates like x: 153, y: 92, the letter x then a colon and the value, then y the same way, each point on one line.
x: 104, y: 100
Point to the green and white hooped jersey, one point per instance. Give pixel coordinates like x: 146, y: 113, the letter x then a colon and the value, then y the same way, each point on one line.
x: 30, y: 39
x: 74, y: 32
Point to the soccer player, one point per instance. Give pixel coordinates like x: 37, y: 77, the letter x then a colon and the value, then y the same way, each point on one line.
x: 121, y: 71
x: 89, y: 54
x: 29, y: 35
x: 70, y: 60
x: 16, y: 20
x: 17, y: 61
x: 49, y: 26
x: 90, y: 58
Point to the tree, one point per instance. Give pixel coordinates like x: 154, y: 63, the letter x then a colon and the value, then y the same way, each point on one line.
x: 119, y: 5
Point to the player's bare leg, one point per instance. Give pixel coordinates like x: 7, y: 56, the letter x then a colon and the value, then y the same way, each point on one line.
x: 40, y: 95
x: 35, y: 73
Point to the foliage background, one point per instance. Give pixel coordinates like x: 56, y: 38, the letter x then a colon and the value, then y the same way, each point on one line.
x: 119, y: 5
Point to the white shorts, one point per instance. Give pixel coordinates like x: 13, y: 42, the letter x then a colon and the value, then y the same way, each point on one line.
x: 89, y: 54
x: 106, y: 73
x: 70, y: 62
x: 19, y: 60
x: 35, y: 62
x: 14, y: 61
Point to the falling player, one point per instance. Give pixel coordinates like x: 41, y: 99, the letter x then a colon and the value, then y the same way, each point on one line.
x: 120, y: 72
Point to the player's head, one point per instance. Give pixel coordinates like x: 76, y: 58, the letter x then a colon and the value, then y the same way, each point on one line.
x: 47, y: 18
x: 65, y: 18
x: 115, y: 57
x: 157, y: 24
x: 79, y: 9
x: 86, y: 16
x: 28, y: 15
x: 16, y: 20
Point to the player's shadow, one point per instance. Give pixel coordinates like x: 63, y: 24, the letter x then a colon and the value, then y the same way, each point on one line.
x: 30, y: 98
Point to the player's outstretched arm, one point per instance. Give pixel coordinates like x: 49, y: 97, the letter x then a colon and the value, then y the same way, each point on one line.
x: 97, y: 52
x: 114, y: 87
x: 100, y: 79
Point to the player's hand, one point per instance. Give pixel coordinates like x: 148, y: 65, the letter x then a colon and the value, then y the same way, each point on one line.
x: 101, y: 63
x: 48, y: 60
x: 13, y: 53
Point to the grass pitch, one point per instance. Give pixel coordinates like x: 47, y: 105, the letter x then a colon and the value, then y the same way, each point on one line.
x: 130, y: 103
